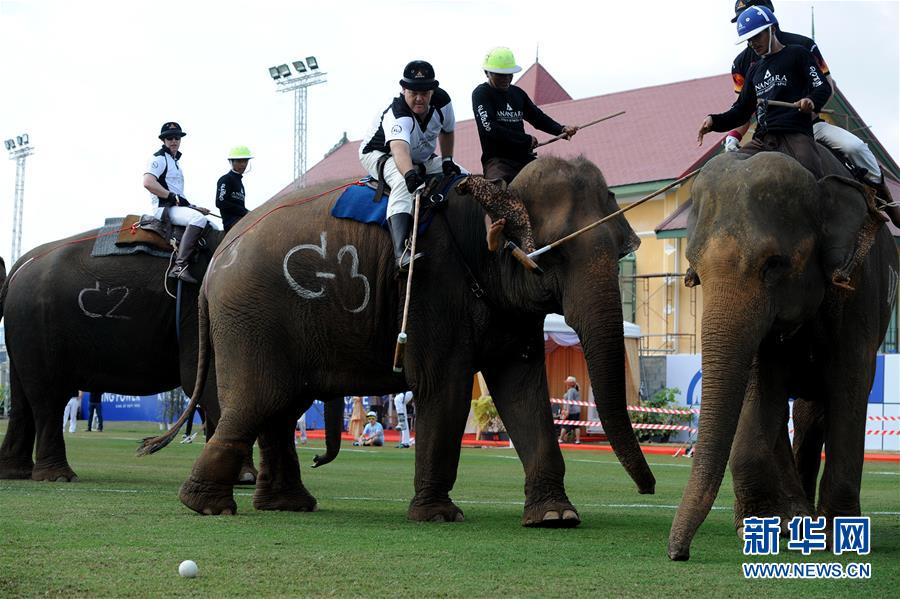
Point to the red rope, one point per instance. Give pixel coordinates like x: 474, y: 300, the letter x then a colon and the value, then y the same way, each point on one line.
x: 221, y: 248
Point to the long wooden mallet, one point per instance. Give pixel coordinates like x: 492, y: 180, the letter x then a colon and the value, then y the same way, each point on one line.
x: 579, y: 128
x: 400, y: 348
x: 584, y: 229
x: 787, y: 105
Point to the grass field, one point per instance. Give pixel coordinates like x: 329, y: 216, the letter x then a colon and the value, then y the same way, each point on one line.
x: 121, y: 531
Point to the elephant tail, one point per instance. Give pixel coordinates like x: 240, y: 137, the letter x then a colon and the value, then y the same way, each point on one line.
x: 153, y: 444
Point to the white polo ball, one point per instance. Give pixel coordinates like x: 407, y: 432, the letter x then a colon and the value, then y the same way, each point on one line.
x: 188, y: 568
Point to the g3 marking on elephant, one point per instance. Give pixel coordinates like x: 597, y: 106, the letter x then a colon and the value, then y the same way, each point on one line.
x: 306, y: 348
x: 321, y: 250
x: 765, y: 239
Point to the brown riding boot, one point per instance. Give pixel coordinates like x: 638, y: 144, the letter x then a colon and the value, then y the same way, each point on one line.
x: 887, y: 203
x: 186, y: 250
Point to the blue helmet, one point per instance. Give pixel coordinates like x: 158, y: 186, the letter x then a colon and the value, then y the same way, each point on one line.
x: 752, y: 21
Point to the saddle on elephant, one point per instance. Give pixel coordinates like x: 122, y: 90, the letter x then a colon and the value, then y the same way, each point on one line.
x: 147, y: 230
x: 363, y: 203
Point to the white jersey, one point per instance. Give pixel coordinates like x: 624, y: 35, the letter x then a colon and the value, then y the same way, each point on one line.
x: 167, y: 171
x: 398, y: 122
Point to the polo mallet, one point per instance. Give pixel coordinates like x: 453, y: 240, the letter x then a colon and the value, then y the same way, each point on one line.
x: 520, y: 255
x: 400, y: 348
x: 787, y: 105
x: 579, y: 128
x: 587, y: 228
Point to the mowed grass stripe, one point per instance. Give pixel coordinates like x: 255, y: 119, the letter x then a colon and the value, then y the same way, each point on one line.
x: 121, y: 531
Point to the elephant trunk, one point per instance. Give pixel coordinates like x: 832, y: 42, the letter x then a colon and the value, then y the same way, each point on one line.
x: 334, y: 424
x: 732, y: 330
x: 601, y: 337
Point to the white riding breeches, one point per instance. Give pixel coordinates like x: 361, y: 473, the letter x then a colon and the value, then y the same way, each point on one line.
x: 400, y: 200
x: 855, y: 149
x: 400, y: 401
x: 186, y: 217
x: 71, y: 413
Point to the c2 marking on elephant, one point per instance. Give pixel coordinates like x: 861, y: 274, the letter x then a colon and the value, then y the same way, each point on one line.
x: 892, y: 285
x: 322, y: 251
x: 110, y: 291
x: 232, y: 253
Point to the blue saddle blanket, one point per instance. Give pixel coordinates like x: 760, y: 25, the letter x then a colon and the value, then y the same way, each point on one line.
x: 356, y: 204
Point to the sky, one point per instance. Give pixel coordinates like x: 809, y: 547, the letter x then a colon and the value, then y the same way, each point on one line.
x: 92, y: 81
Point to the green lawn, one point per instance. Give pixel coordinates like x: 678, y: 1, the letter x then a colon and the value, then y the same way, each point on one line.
x: 121, y: 531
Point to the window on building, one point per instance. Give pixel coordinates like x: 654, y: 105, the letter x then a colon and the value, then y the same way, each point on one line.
x: 628, y: 286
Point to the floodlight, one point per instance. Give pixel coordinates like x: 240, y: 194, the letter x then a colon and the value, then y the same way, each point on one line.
x: 19, y: 141
x: 299, y: 66
x: 273, y: 71
x: 284, y: 70
x: 25, y: 137
x: 311, y: 61
x: 10, y: 144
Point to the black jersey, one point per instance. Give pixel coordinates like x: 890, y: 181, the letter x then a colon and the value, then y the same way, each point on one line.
x: 748, y: 57
x: 499, y: 116
x: 787, y: 76
x: 230, y: 198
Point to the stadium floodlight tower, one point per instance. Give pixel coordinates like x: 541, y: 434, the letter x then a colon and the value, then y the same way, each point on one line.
x: 19, y: 149
x: 298, y: 81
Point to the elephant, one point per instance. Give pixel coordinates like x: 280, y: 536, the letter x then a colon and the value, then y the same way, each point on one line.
x: 798, y: 276
x: 79, y: 322
x: 310, y: 305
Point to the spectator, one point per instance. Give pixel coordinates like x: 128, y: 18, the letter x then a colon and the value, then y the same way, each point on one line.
x: 301, y: 426
x: 71, y: 412
x: 95, y: 406
x: 373, y: 433
x: 356, y: 418
x: 572, y: 396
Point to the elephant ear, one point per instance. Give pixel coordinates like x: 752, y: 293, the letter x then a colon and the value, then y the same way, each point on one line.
x: 629, y: 242
x: 849, y: 226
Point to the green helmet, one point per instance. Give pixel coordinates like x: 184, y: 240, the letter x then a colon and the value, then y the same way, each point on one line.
x: 239, y: 153
x: 500, y: 60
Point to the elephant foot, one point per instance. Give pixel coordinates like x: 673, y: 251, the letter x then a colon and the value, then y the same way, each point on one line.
x: 679, y: 553
x: 295, y: 499
x: 557, y: 514
x: 248, y: 475
x: 444, y: 511
x: 207, y: 498
x: 16, y: 469
x: 56, y: 474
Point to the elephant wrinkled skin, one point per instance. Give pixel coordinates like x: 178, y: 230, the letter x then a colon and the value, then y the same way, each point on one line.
x: 75, y: 322
x: 765, y: 242
x: 309, y: 306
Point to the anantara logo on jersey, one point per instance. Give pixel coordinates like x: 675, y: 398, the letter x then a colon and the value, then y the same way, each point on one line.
x: 509, y: 115
x: 769, y: 83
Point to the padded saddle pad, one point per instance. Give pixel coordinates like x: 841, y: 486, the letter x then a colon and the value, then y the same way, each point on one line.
x: 134, y: 235
x: 105, y: 244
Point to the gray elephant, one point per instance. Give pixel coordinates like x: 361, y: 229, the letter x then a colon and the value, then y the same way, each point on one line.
x: 79, y: 322
x: 305, y: 305
x: 798, y: 280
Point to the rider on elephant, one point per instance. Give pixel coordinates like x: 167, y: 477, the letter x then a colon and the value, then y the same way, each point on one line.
x: 164, y: 179
x: 501, y: 109
x: 230, y: 188
x: 785, y: 74
x: 855, y: 150
x: 400, y: 147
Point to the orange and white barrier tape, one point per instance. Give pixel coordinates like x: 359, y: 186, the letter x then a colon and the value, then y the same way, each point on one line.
x: 657, y: 427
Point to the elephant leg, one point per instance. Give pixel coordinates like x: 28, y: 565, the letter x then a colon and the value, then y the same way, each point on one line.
x: 845, y: 439
x: 209, y: 488
x: 440, y: 424
x: 519, y: 391
x: 18, y: 443
x: 763, y: 417
x: 809, y: 437
x: 278, y: 485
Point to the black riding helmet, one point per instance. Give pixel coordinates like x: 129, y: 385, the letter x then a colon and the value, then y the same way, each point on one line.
x: 742, y: 5
x: 418, y: 76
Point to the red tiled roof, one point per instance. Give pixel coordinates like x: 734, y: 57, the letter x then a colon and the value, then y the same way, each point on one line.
x: 541, y: 87
x: 654, y: 140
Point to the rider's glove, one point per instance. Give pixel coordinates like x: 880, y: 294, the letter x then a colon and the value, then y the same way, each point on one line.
x: 450, y: 168
x: 413, y: 179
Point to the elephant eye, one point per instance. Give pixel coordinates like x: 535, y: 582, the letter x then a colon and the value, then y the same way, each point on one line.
x: 774, y: 267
